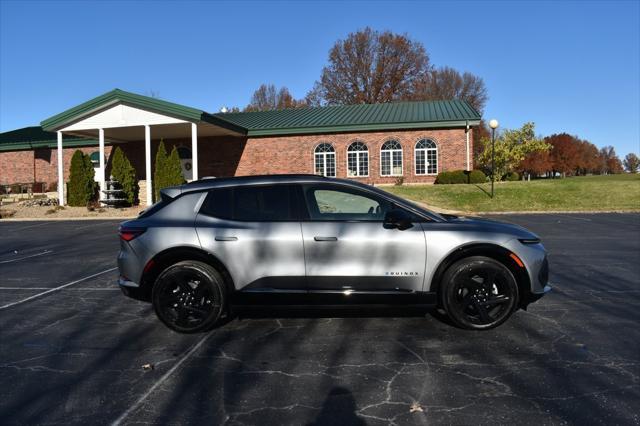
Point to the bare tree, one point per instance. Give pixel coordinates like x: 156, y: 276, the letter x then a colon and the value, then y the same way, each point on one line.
x: 370, y: 67
x: 267, y: 98
x: 446, y: 83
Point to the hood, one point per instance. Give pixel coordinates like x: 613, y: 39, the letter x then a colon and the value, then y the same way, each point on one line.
x: 487, y: 225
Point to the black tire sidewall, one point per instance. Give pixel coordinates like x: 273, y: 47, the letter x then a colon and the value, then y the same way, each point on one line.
x: 447, y: 289
x: 213, y: 279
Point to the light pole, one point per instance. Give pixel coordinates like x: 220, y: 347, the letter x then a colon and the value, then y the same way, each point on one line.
x: 494, y: 125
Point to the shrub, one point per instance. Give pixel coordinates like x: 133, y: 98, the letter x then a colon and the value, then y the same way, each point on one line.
x: 159, y: 172
x: 477, y: 176
x: 460, y: 176
x: 512, y: 177
x: 168, y: 170
x: 81, y: 187
x: 125, y: 174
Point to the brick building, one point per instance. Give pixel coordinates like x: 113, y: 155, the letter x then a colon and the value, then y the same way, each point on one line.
x: 376, y: 144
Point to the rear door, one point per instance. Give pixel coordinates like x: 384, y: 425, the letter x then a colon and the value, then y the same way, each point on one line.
x: 255, y: 232
x: 348, y: 249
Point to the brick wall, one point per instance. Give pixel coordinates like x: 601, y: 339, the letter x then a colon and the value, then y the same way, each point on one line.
x: 295, y: 154
x: 18, y: 166
x: 233, y: 156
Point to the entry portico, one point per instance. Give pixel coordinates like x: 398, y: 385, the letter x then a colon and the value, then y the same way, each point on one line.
x: 119, y: 117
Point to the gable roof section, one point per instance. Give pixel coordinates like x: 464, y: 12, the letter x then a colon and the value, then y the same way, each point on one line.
x: 117, y: 96
x: 34, y: 137
x: 334, y: 119
x: 349, y: 118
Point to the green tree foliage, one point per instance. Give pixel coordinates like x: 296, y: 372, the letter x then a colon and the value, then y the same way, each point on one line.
x: 168, y: 171
x: 159, y: 180
x: 511, y: 147
x: 123, y: 172
x: 81, y: 186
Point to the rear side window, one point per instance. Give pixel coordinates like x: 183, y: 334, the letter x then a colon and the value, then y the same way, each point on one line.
x: 251, y: 203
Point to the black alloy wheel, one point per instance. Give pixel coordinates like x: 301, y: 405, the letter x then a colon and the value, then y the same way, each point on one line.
x: 189, y: 297
x: 479, y: 293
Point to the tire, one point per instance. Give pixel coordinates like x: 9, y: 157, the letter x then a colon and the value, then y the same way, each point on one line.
x: 479, y: 293
x: 189, y: 297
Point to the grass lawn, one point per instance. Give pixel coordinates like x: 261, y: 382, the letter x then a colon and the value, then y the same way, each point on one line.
x: 594, y: 193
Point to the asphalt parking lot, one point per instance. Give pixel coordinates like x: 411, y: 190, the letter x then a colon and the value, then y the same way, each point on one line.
x: 72, y: 346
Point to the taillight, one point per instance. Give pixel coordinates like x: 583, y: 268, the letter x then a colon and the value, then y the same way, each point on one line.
x: 129, y: 233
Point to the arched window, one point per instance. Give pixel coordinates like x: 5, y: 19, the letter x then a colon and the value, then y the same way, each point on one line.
x: 391, y: 159
x: 325, y: 160
x: 357, y: 160
x: 426, y: 157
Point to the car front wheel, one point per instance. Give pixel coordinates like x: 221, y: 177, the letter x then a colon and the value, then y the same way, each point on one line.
x: 189, y: 297
x: 479, y: 293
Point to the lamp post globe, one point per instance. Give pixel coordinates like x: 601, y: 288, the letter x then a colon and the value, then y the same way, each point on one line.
x: 494, y: 125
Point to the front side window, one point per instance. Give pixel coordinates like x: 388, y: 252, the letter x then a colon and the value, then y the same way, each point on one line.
x: 426, y: 157
x: 325, y: 160
x: 391, y: 159
x: 338, y: 204
x: 357, y: 160
x: 251, y: 204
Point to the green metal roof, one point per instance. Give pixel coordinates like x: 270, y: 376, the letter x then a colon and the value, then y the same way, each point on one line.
x: 335, y: 119
x: 117, y: 96
x: 364, y: 117
x: 34, y: 137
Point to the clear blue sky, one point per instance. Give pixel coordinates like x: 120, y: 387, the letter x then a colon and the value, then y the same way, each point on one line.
x: 568, y: 66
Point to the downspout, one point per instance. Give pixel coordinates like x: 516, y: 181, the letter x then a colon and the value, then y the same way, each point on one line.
x: 467, y: 135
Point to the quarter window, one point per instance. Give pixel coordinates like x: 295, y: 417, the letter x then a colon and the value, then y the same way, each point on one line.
x: 338, y: 204
x: 391, y: 159
x: 357, y: 160
x: 251, y: 204
x: 426, y: 157
x: 325, y: 160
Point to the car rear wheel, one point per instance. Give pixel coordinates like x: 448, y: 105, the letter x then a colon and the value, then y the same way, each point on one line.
x: 189, y: 296
x: 479, y: 293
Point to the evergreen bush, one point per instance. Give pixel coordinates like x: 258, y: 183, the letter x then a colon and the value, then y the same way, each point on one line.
x: 81, y: 187
x: 461, y: 176
x: 125, y: 174
x: 168, y: 170
x: 511, y: 177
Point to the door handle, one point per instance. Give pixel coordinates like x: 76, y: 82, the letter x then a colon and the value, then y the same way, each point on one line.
x: 226, y: 238
x: 325, y: 238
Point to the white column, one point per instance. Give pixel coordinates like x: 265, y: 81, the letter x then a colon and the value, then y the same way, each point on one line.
x: 60, y: 171
x: 147, y: 159
x: 467, y: 131
x: 102, y: 173
x: 194, y: 151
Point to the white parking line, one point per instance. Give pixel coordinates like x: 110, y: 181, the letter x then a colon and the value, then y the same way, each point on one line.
x: 26, y: 257
x: 49, y: 288
x: 162, y: 379
x: 56, y: 289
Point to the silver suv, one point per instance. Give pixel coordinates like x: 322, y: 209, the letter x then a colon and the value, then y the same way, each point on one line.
x: 217, y: 244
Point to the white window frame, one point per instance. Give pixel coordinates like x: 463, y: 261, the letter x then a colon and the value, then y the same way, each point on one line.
x: 426, y: 151
x: 391, y: 151
x: 358, y: 154
x: 324, y: 155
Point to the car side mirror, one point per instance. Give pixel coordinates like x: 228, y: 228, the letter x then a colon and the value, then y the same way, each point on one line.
x: 397, y: 218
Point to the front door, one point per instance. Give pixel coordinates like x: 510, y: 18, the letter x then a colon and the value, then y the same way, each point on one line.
x: 254, y: 231
x: 347, y: 248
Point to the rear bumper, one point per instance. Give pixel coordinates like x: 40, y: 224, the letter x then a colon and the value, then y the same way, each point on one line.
x: 132, y: 290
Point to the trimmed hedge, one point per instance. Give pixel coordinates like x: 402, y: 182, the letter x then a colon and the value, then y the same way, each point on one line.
x: 511, y: 177
x: 460, y: 176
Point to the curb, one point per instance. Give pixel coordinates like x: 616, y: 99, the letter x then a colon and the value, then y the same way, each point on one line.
x: 63, y: 219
